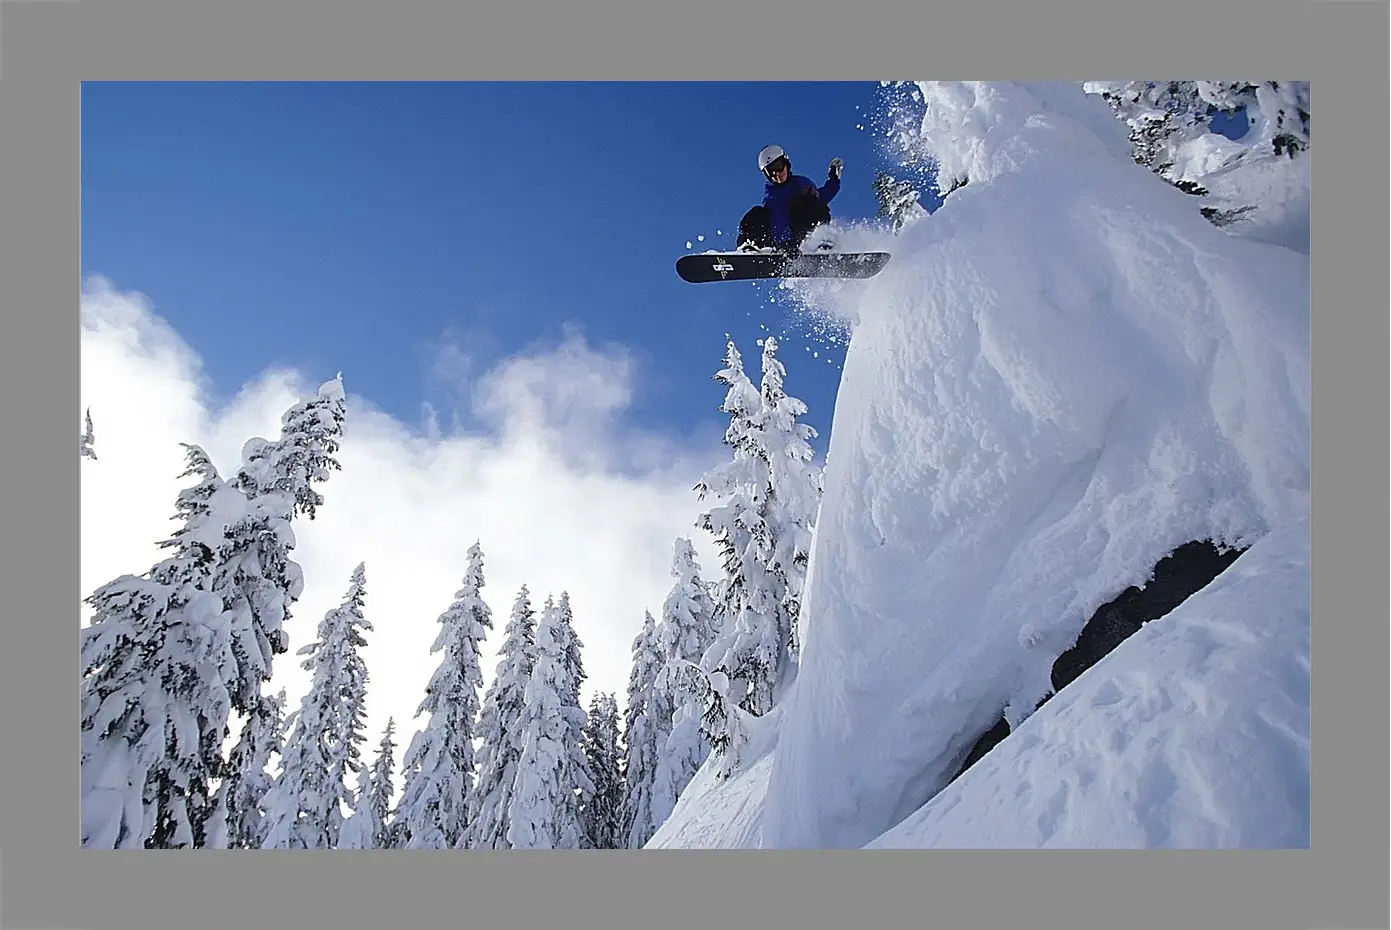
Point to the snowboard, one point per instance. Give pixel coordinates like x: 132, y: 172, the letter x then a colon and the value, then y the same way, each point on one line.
x: 705, y: 267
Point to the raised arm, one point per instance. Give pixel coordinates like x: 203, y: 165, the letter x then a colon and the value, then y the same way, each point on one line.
x: 832, y: 185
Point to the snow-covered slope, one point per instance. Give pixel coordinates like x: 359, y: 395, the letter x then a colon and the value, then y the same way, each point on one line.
x: 1064, y: 374
x: 728, y: 814
x: 1279, y: 190
x: 1192, y: 733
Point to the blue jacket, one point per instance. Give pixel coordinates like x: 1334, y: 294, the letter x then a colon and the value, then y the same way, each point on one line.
x: 777, y: 197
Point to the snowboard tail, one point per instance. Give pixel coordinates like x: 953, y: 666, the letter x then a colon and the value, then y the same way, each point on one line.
x: 707, y: 267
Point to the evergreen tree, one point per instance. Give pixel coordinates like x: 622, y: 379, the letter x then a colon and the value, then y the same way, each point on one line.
x: 88, y: 437
x: 577, y: 774
x: 200, y: 626
x: 383, y: 788
x: 729, y: 483
x: 602, y: 814
x: 357, y: 830
x: 500, y: 730
x: 368, y: 826
x: 439, y: 765
x: 572, y: 651
x: 646, y: 708
x: 257, y: 579
x: 305, y: 807
x: 682, y: 638
x: 733, y: 523
x: 1277, y: 112
x: 688, y: 624
x: 793, y: 492
x: 154, y: 688
x: 772, y: 492
x: 543, y: 812
x: 1163, y: 116
x: 1280, y: 115
x: 756, y: 634
x: 310, y: 433
x: 898, y: 200
x: 1168, y: 118
x: 249, y: 772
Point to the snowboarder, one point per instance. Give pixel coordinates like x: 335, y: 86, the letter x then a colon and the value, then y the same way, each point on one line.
x: 792, y: 204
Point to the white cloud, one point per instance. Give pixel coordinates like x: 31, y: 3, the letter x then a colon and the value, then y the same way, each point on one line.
x: 572, y: 387
x: 561, y: 496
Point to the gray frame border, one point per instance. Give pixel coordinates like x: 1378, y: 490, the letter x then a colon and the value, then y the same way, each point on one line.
x: 47, y: 48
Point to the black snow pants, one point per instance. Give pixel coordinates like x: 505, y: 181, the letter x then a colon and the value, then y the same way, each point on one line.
x: 804, y: 214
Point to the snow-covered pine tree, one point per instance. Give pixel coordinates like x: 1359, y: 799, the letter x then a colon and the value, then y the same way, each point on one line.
x: 249, y: 771
x: 351, y: 724
x: 722, y: 720
x: 898, y: 200
x: 794, y: 494
x: 544, y: 809
x: 682, y: 638
x: 369, y: 827
x: 731, y: 522
x: 305, y: 807
x: 154, y: 687
x: 234, y: 573
x: 764, y: 530
x: 729, y: 483
x: 88, y: 438
x: 257, y: 579
x: 602, y: 813
x: 499, y: 730
x: 358, y: 830
x: 573, y: 649
x: 383, y: 788
x: 772, y: 493
x: 1164, y: 116
x: 310, y: 433
x: 642, y: 731
x: 577, y: 773
x: 439, y: 765
x: 688, y: 614
x: 1171, y: 123
x: 1279, y: 114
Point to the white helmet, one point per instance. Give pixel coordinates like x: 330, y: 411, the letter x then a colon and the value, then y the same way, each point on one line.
x: 769, y: 154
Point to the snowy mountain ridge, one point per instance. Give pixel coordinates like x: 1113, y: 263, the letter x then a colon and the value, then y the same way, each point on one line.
x: 1066, y: 374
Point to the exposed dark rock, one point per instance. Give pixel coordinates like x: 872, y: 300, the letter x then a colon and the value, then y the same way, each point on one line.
x: 1177, y: 577
x: 987, y: 742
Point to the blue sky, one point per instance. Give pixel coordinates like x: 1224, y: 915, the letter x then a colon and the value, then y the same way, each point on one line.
x: 365, y: 227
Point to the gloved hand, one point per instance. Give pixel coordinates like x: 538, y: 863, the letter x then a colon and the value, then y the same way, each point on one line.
x: 835, y: 169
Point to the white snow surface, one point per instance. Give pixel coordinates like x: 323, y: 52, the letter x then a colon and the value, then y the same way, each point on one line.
x: 1063, y: 374
x: 1280, y: 188
x: 712, y: 814
x: 1194, y: 732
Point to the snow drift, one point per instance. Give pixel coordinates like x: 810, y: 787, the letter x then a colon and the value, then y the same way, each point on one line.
x: 1064, y: 374
x: 1193, y: 733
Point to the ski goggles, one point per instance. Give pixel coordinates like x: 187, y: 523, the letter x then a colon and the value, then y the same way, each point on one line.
x: 778, y: 164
